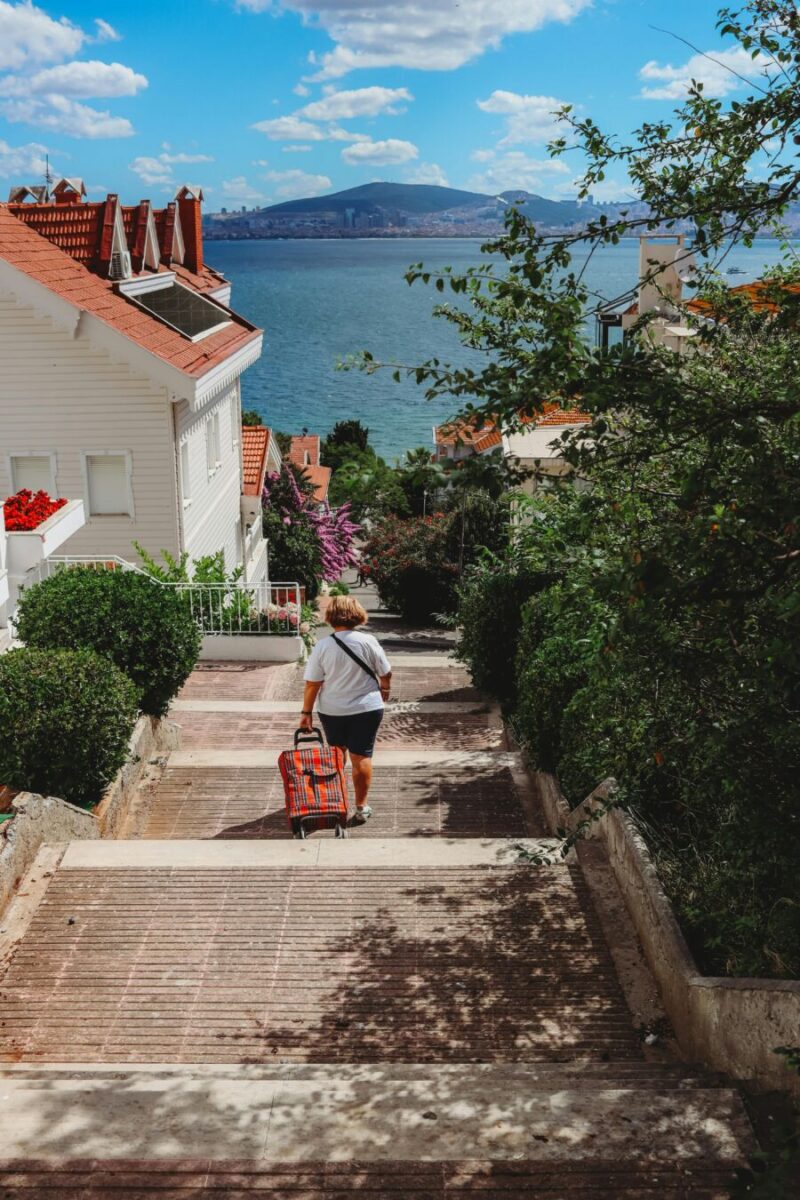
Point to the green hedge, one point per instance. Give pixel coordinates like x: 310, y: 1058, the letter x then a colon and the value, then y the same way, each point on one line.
x: 145, y: 628
x: 67, y: 717
x: 491, y: 599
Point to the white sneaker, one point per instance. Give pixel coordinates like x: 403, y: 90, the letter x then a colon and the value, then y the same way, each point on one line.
x: 363, y: 814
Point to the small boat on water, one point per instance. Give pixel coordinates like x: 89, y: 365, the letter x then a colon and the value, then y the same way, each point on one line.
x: 735, y: 271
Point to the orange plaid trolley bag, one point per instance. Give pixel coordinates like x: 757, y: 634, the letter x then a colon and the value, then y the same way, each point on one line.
x: 314, y: 785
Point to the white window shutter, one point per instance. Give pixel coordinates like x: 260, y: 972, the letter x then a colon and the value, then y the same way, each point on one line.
x: 33, y: 471
x: 108, y: 484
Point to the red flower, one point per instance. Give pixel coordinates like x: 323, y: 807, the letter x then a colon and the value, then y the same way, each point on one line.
x: 26, y: 511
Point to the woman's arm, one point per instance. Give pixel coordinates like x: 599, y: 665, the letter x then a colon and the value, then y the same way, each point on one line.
x: 309, y: 696
x: 386, y: 685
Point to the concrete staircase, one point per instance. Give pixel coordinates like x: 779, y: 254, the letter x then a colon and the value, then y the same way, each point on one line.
x: 210, y: 1009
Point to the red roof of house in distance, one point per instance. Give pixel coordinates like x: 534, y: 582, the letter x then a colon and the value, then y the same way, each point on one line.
x: 486, y: 436
x: 321, y: 479
x: 30, y: 250
x: 304, y: 451
x: 255, y: 447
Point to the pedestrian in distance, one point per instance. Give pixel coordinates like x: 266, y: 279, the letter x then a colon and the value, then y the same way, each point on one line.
x: 349, y: 677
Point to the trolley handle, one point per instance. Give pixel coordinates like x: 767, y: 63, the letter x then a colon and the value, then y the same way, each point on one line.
x: 308, y: 735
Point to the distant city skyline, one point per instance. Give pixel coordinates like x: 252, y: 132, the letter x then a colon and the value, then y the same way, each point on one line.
x: 262, y: 101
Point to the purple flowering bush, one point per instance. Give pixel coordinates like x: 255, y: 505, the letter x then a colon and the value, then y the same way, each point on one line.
x: 307, y: 542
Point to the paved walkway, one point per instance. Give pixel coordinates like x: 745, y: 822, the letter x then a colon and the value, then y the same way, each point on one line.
x: 211, y: 1009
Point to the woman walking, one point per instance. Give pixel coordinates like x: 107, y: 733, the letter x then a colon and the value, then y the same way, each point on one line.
x: 352, y: 676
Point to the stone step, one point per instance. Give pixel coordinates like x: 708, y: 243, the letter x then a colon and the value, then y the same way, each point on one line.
x: 201, y: 1179
x: 414, y: 801
x: 423, y: 677
x: 381, y: 1115
x: 246, y: 729
x: 404, y: 950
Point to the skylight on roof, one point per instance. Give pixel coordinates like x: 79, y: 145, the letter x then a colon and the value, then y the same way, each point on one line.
x: 182, y: 309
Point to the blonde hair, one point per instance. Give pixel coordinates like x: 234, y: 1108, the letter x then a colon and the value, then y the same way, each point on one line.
x: 345, y: 611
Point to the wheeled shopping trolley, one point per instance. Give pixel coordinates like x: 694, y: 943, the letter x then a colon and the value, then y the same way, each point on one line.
x: 314, y: 785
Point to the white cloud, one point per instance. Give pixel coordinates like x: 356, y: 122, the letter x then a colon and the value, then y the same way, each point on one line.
x: 29, y: 35
x: 151, y: 170
x: 300, y: 89
x: 185, y: 158
x: 293, y: 184
x: 105, y: 32
x: 295, y: 150
x: 514, y: 169
x: 290, y: 129
x: 360, y: 102
x: 80, y: 80
x: 22, y: 162
x: 378, y: 154
x: 63, y: 115
x: 433, y: 36
x: 294, y: 129
x: 239, y: 191
x: 717, y: 77
x: 430, y: 173
x: 527, y: 118
x: 48, y: 97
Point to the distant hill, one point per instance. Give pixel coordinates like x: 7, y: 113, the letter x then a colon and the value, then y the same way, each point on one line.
x: 416, y: 198
x: 549, y: 212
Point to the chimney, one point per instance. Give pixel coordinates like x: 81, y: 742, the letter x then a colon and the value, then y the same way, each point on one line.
x: 189, y: 208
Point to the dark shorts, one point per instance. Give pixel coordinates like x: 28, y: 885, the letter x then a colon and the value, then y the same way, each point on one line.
x: 355, y: 733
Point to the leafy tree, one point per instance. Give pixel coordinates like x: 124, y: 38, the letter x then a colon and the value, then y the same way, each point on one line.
x: 346, y: 440
x: 369, y: 486
x: 665, y: 652
x: 284, y: 441
x: 251, y: 417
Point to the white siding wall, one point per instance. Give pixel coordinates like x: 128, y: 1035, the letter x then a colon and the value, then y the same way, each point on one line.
x: 212, y: 516
x: 58, y: 394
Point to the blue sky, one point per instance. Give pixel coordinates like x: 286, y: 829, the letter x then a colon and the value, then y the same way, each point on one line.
x: 264, y: 100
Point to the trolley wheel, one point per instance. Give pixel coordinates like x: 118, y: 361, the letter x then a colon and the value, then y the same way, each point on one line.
x: 341, y: 831
x: 297, y: 828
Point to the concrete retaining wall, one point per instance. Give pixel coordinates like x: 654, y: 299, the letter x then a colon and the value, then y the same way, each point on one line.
x: 261, y: 647
x: 733, y: 1025
x: 149, y: 737
x: 40, y: 819
x: 37, y: 819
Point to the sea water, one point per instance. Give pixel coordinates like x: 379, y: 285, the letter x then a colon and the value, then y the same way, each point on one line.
x: 320, y: 302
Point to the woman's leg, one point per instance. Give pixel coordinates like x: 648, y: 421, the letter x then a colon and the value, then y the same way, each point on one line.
x: 362, y: 777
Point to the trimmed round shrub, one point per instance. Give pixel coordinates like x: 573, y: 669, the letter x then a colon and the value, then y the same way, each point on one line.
x: 142, y: 626
x: 67, y: 717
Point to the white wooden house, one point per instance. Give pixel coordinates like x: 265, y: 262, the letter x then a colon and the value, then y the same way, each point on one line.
x: 120, y: 381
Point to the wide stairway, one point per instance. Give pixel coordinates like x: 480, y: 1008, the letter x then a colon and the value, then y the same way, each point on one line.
x: 211, y: 1009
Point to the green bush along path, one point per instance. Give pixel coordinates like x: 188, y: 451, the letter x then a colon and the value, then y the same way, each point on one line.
x: 211, y: 1009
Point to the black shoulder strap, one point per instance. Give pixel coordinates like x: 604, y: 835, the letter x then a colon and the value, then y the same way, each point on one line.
x: 356, y: 658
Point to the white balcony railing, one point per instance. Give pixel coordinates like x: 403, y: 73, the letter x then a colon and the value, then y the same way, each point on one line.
x: 219, y: 608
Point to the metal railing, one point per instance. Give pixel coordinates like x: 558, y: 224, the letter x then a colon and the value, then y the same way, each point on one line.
x: 218, y: 608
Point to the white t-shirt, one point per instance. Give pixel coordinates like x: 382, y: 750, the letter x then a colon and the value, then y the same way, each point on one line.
x: 346, y: 688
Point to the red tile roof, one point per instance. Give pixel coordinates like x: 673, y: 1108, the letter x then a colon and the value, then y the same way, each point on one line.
x: 321, y: 479
x: 487, y: 441
x: 61, y: 273
x: 487, y: 436
x: 74, y: 228
x: 462, y: 432
x: 553, y: 415
x: 307, y: 444
x: 756, y: 293
x: 255, y: 447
